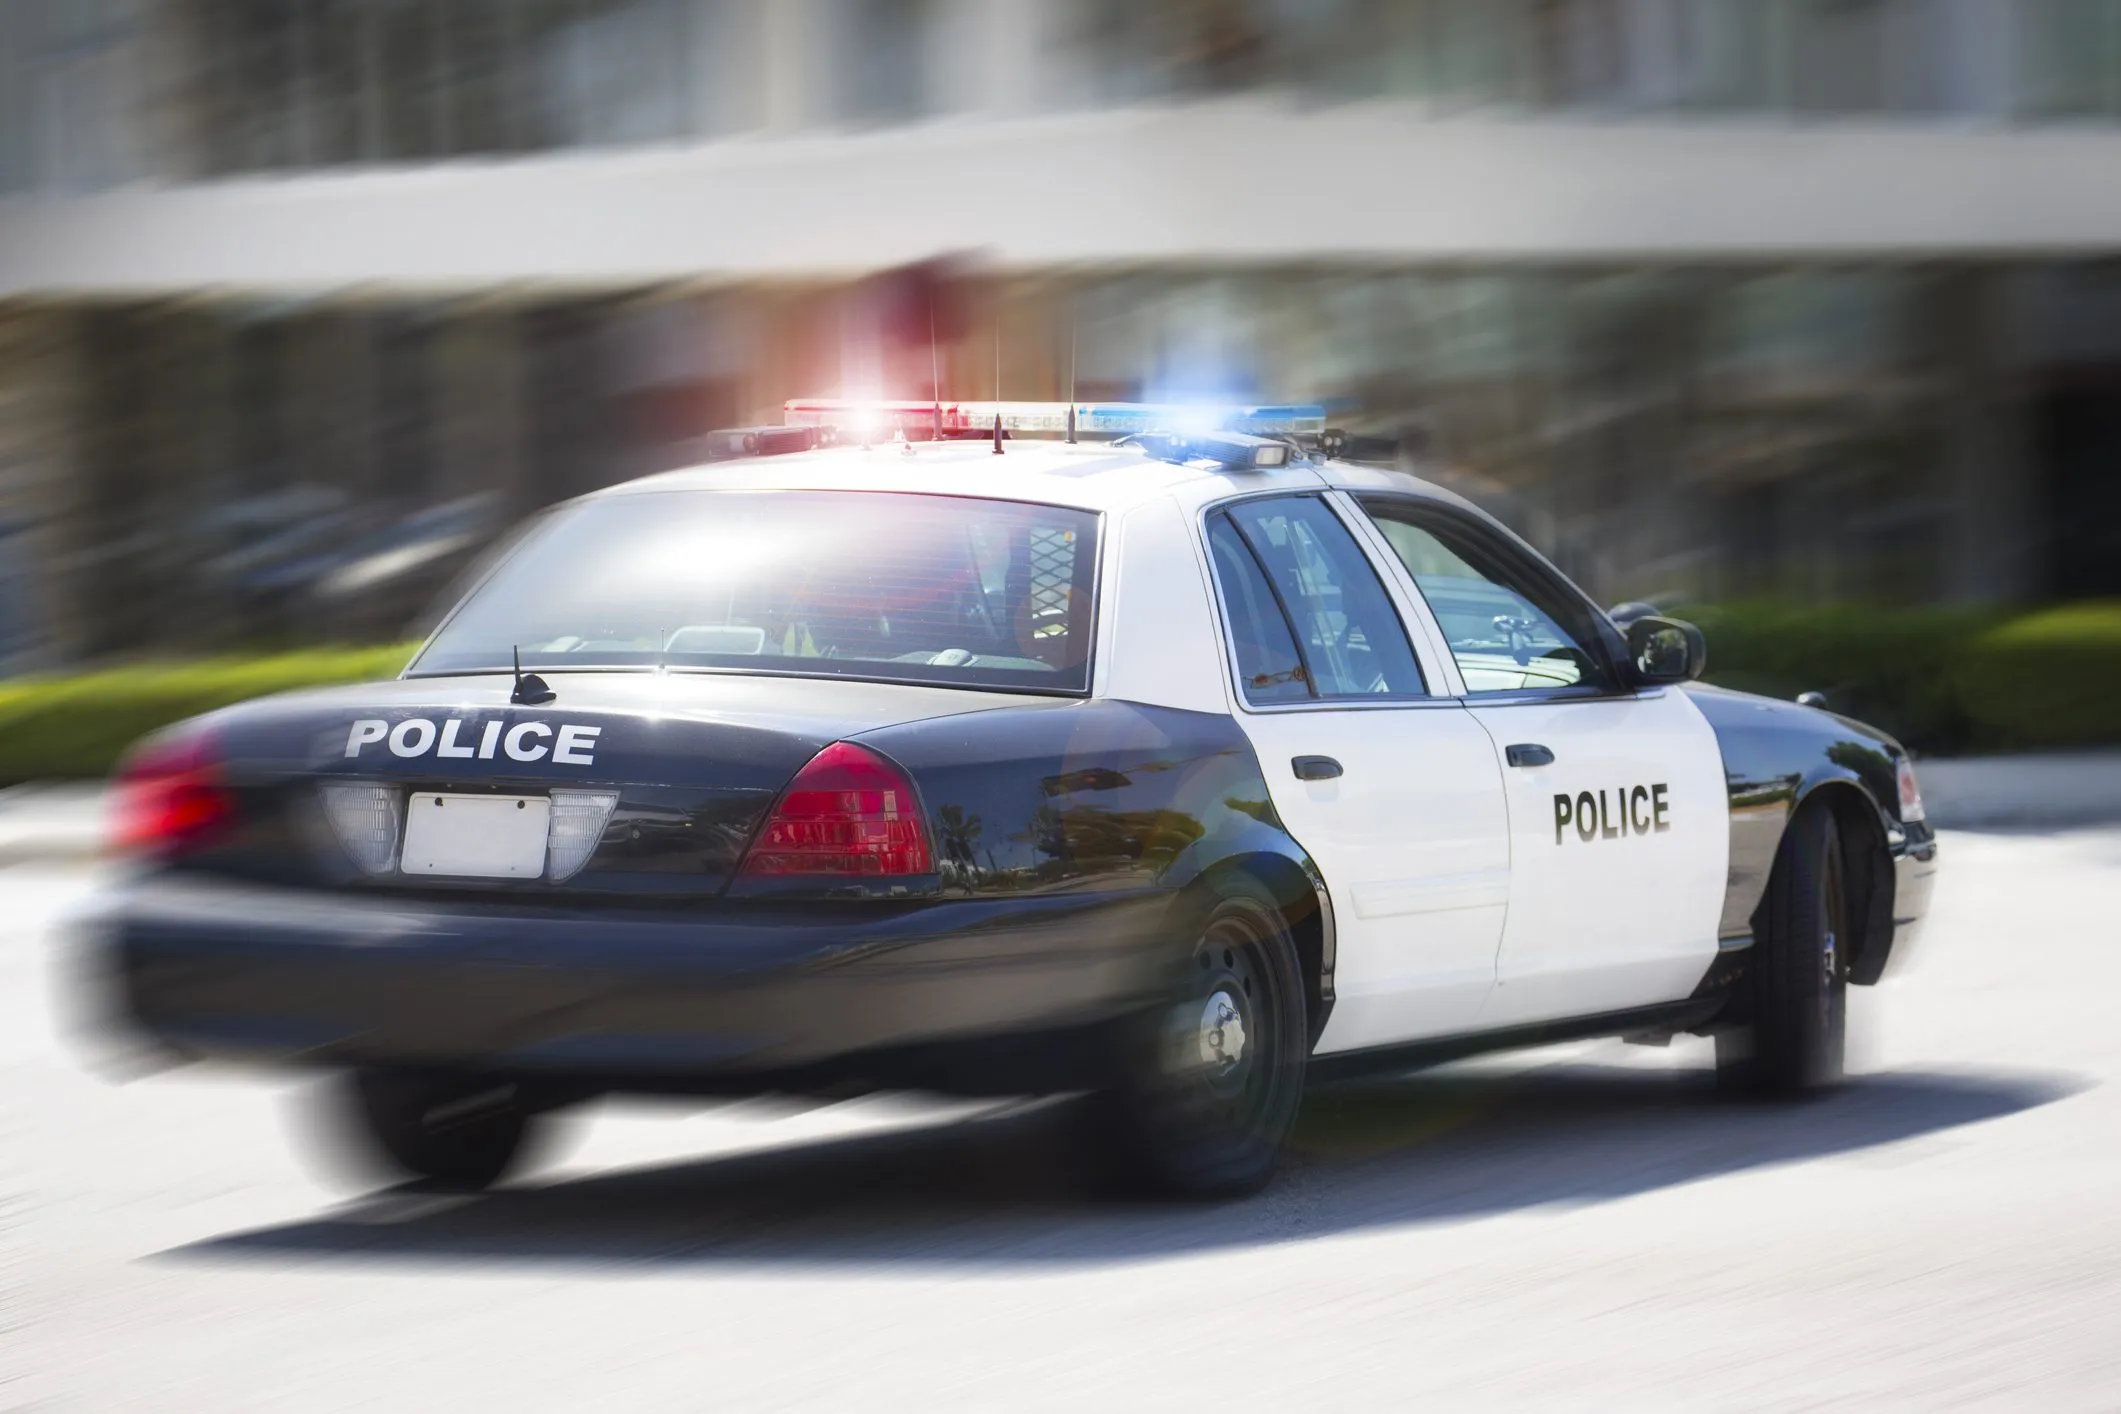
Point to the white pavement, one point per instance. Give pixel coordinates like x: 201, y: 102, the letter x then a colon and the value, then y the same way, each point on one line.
x: 1583, y: 1228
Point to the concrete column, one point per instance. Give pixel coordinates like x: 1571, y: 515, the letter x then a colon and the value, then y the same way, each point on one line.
x: 478, y: 413
x: 1988, y: 470
x: 39, y: 464
x: 791, y: 57
x: 727, y: 86
x: 988, y: 55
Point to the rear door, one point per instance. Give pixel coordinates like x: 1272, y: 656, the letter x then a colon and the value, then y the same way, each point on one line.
x: 1619, y: 819
x: 1393, y: 790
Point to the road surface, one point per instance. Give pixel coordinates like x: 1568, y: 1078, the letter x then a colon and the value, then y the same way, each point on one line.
x: 1584, y: 1227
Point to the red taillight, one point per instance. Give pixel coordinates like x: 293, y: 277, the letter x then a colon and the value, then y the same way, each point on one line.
x: 169, y: 797
x: 849, y: 812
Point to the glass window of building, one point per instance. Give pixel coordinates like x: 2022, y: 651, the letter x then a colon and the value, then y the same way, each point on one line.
x: 1839, y: 55
x: 881, y: 60
x: 2069, y: 58
x: 280, y: 84
x: 611, y: 73
x: 71, y: 110
x: 18, y: 140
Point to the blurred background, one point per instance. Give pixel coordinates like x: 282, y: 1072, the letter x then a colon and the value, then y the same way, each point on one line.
x: 1792, y: 304
x: 1801, y: 317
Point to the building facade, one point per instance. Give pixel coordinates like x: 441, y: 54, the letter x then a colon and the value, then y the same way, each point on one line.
x: 302, y: 300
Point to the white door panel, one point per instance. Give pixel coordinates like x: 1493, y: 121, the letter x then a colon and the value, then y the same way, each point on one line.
x: 1620, y: 850
x: 1412, y: 837
x: 1413, y: 842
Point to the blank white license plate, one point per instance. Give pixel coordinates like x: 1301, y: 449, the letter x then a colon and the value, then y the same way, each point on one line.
x: 476, y: 836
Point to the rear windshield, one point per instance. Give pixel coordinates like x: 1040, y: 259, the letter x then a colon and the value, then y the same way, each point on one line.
x: 901, y: 588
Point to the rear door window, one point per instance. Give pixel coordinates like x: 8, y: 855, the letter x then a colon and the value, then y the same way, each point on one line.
x: 1269, y: 668
x: 1334, y: 634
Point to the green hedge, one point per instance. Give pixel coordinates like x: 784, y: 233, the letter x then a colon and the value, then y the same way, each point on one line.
x: 77, y: 726
x: 1942, y: 680
x: 2048, y: 679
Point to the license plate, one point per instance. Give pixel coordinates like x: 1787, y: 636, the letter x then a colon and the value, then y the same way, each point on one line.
x: 476, y: 836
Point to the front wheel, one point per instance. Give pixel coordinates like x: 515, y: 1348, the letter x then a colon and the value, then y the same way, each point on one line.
x: 1796, y: 990
x: 455, y: 1132
x: 1212, y: 1094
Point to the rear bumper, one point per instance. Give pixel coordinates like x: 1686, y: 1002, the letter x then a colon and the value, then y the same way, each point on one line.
x: 968, y: 996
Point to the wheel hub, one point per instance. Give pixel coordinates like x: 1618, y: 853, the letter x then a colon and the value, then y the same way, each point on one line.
x: 1222, y: 1033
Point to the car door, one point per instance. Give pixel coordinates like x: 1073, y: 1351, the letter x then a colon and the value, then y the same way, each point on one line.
x: 1619, y: 819
x: 1393, y: 791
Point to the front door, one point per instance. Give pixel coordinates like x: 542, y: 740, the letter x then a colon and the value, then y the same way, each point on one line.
x: 1619, y: 820
x: 1393, y: 791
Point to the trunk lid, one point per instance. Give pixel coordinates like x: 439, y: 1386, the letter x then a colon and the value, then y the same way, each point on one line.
x: 695, y: 760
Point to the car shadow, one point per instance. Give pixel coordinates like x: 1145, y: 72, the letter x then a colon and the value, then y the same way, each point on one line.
x: 1014, y: 1190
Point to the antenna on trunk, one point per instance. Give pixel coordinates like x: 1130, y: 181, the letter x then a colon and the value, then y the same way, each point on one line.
x: 529, y: 691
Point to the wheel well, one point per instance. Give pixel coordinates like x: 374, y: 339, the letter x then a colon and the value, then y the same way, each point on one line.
x: 1867, y: 871
x: 1301, y: 911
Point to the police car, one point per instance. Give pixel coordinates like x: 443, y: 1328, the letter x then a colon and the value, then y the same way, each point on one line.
x: 1175, y: 763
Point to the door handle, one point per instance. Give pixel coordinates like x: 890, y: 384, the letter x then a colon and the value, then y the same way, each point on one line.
x: 1315, y: 768
x: 1529, y: 753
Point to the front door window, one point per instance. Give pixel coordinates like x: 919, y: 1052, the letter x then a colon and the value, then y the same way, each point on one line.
x: 1508, y: 631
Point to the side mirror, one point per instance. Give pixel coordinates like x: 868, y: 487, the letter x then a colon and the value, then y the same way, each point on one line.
x: 1666, y: 650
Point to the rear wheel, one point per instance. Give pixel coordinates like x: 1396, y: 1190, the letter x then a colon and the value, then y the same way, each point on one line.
x: 1797, y: 986
x: 1212, y: 1095
x: 453, y: 1131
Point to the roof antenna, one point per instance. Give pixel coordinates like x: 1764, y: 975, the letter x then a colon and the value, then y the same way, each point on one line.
x: 997, y: 373
x: 1071, y: 370
x: 529, y: 691
x: 935, y: 365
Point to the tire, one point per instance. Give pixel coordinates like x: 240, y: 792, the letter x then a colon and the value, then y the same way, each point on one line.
x: 453, y: 1132
x: 1796, y: 991
x: 1213, y: 1085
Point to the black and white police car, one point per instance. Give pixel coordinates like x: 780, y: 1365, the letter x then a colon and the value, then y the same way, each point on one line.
x: 1177, y: 770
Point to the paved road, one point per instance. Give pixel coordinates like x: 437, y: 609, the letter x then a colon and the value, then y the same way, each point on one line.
x: 1582, y: 1228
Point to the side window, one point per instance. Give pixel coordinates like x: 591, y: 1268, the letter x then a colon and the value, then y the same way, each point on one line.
x: 1509, y: 630
x: 1347, y: 638
x: 1267, y: 662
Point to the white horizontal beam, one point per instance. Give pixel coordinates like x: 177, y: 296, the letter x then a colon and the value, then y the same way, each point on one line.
x: 1241, y: 182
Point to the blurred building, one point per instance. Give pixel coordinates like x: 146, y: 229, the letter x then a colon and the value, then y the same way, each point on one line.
x: 302, y: 299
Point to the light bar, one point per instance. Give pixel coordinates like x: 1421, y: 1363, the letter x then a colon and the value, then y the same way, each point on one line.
x: 1232, y: 451
x: 916, y: 418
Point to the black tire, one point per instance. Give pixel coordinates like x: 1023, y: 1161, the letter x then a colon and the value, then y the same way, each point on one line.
x: 1795, y: 995
x: 1213, y: 1088
x: 453, y: 1132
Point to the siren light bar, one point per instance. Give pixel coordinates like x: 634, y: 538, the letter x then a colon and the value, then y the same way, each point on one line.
x: 914, y: 417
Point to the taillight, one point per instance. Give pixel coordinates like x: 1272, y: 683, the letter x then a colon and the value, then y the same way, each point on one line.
x: 1910, y: 793
x: 848, y: 813
x: 169, y: 796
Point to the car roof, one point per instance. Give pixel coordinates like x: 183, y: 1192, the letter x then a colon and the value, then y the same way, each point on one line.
x: 1093, y: 476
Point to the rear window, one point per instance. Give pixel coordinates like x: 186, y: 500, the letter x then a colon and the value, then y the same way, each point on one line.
x: 901, y: 588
